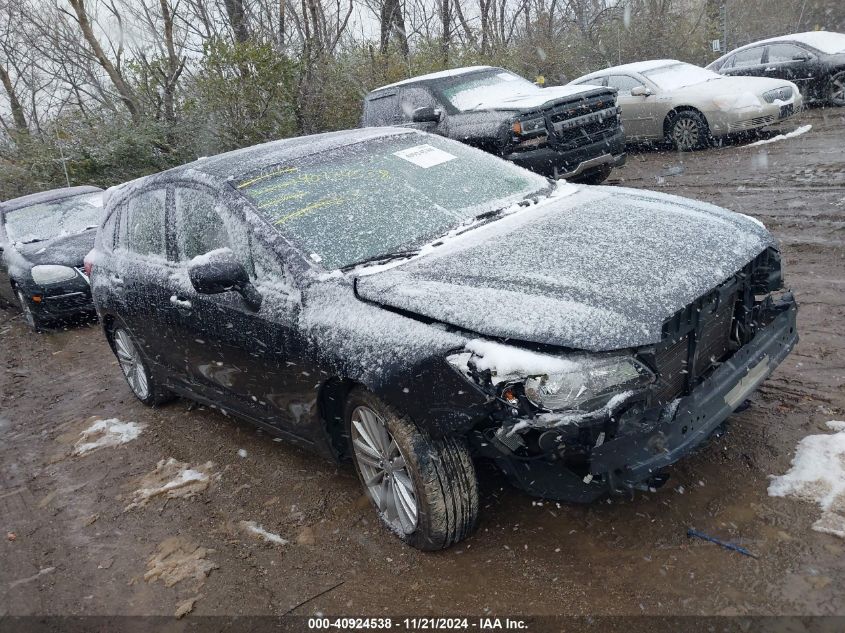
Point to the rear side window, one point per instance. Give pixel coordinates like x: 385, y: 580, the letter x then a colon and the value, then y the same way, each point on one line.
x: 381, y: 110
x: 143, y: 223
x: 751, y: 57
x: 785, y: 53
x: 199, y: 228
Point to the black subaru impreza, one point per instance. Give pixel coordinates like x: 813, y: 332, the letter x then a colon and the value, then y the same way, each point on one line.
x: 414, y: 304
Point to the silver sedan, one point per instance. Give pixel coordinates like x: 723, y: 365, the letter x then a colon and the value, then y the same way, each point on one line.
x: 665, y: 99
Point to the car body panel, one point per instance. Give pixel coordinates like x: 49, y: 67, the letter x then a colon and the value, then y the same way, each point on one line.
x: 814, y: 62
x: 59, y: 300
x: 728, y: 104
x: 547, y: 271
x: 598, y: 269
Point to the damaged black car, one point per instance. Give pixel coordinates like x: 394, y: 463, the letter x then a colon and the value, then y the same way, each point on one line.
x: 414, y: 304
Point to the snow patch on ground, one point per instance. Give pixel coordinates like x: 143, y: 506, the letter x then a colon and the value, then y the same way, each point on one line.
x: 172, y: 479
x: 102, y: 433
x: 253, y: 528
x: 818, y: 474
x: 780, y: 137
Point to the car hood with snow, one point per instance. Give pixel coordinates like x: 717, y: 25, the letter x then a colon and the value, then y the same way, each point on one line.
x: 66, y: 250
x: 594, y: 269
x: 740, y: 89
x: 535, y: 99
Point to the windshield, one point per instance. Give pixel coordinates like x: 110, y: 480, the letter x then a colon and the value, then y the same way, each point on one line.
x: 491, y: 87
x: 676, y: 76
x: 381, y: 196
x: 47, y: 220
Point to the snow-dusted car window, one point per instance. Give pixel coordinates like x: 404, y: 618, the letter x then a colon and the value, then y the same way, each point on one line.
x: 495, y: 85
x: 144, y: 223
x: 199, y: 228
x: 676, y: 76
x: 785, y: 53
x: 48, y: 220
x: 377, y: 197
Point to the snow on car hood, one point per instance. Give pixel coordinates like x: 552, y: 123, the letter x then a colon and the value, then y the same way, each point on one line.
x: 600, y: 269
x: 532, y: 99
x: 67, y: 250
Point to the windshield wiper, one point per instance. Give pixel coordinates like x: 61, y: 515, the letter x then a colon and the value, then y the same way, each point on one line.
x: 32, y: 241
x: 382, y: 258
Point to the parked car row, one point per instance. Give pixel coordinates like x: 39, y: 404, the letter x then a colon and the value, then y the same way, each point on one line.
x: 413, y: 303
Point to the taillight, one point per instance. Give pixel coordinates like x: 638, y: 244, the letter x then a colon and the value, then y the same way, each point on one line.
x: 88, y: 264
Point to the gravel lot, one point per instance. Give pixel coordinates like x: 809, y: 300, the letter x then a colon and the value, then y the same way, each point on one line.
x: 70, y: 546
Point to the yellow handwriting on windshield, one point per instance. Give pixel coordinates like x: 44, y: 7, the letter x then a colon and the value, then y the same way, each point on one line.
x: 296, y: 195
x: 325, y: 202
x: 252, y: 181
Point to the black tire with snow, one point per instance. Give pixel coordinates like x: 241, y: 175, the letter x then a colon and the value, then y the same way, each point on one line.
x: 156, y: 394
x: 687, y: 130
x: 836, y: 89
x: 442, y: 472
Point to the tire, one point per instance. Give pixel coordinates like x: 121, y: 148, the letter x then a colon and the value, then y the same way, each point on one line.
x: 140, y: 379
x: 424, y: 490
x: 597, y: 176
x: 688, y: 130
x: 836, y: 90
x: 29, y: 317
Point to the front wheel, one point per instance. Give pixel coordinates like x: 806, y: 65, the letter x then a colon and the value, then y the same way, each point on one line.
x: 138, y: 376
x: 836, y: 89
x: 688, y: 130
x: 424, y: 490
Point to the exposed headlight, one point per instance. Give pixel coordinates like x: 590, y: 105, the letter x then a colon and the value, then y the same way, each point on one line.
x: 778, y: 94
x: 52, y: 274
x: 589, y: 386
x: 553, y: 383
x: 526, y: 127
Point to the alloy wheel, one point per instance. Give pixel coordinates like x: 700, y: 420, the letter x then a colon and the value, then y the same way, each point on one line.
x: 28, y: 316
x: 685, y: 134
x: 837, y: 89
x: 384, y: 470
x: 130, y: 362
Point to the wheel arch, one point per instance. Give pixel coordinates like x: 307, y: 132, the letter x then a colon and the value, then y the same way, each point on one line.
x: 331, y: 404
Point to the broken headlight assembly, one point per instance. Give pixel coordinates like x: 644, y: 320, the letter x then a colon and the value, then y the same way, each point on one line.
x: 551, y: 383
x: 530, y: 131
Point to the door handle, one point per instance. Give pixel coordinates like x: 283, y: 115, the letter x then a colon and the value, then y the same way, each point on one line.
x: 182, y: 304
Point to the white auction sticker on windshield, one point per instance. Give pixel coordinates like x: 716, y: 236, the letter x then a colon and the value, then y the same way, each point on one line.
x: 424, y: 156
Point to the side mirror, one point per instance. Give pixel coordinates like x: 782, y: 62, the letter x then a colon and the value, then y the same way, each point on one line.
x: 641, y: 91
x: 217, y: 277
x: 427, y: 115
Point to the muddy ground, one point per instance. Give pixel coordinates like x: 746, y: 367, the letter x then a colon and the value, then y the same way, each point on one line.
x: 76, y: 550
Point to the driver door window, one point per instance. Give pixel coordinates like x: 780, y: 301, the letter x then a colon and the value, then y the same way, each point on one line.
x: 623, y: 83
x: 413, y: 98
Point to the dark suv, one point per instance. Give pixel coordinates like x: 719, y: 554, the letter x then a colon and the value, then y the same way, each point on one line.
x: 414, y: 303
x: 572, y: 132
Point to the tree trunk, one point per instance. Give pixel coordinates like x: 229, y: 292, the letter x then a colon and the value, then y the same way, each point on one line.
x: 237, y: 19
x: 127, y: 95
x: 18, y: 115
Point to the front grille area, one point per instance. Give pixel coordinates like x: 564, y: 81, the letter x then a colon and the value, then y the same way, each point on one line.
x: 701, y: 349
x: 751, y: 123
x: 583, y: 122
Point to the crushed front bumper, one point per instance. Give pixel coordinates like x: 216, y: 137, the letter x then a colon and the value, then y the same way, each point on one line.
x: 648, y: 441
x: 574, y: 163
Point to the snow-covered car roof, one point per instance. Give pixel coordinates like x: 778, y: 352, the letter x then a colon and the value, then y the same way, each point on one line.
x: 46, y: 196
x: 443, y: 74
x: 635, y: 67
x: 825, y: 41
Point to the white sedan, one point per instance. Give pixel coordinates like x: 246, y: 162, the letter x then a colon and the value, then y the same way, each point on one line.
x: 664, y: 99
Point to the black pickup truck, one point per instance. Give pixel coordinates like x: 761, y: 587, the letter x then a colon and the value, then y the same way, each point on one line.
x: 572, y: 132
